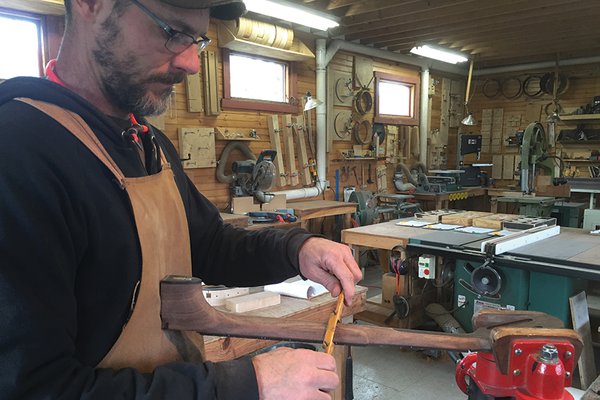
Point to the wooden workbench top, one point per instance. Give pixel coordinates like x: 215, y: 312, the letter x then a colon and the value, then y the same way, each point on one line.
x: 316, y: 309
x: 385, y: 235
x: 303, y: 207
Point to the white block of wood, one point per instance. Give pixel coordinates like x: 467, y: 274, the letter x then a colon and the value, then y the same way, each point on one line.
x: 253, y: 301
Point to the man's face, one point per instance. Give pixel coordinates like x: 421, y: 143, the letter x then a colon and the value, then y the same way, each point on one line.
x: 137, y: 71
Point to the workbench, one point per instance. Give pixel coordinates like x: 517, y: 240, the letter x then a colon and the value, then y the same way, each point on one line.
x: 243, y: 221
x: 442, y: 200
x: 307, y: 210
x: 317, y: 309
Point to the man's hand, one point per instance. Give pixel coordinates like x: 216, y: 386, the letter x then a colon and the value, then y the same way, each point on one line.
x: 299, y: 374
x: 330, y: 264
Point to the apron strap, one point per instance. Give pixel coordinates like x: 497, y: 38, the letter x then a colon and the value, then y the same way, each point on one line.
x: 80, y: 129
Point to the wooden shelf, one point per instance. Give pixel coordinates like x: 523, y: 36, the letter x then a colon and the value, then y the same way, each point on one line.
x: 224, y: 134
x: 577, y: 142
x: 581, y: 118
x: 581, y: 160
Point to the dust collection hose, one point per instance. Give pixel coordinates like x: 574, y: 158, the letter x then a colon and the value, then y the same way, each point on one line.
x: 241, y: 146
x: 404, y: 169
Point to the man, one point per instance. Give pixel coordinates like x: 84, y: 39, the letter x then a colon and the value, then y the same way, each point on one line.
x: 95, y: 209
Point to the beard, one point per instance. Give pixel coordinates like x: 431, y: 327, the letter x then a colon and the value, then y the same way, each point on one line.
x: 123, y: 80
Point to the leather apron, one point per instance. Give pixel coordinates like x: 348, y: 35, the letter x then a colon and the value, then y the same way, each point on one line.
x: 165, y: 245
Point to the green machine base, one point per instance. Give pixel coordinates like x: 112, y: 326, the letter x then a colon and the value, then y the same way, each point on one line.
x: 513, y: 293
x: 519, y: 290
x: 550, y: 294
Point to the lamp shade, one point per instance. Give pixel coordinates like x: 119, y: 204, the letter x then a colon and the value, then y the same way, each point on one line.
x: 311, y: 102
x: 469, y: 120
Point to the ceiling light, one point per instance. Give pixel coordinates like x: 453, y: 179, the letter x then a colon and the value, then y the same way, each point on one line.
x: 292, y: 13
x: 439, y: 54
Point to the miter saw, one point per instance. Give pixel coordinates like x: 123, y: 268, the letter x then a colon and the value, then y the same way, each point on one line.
x: 254, y: 177
x: 250, y: 177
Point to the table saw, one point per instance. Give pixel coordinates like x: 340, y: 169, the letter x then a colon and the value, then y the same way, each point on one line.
x: 539, y: 276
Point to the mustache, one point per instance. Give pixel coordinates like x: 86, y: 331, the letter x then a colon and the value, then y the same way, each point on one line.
x: 167, y: 79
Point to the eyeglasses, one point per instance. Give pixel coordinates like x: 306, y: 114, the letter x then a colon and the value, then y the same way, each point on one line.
x: 178, y: 41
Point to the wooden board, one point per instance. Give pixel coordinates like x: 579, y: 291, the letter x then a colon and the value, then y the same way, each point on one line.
x: 465, y: 218
x: 385, y: 235
x: 290, y: 151
x: 239, y: 221
x: 252, y: 301
x: 211, y: 83
x: 298, y: 124
x: 243, y: 205
x: 193, y: 92
x: 493, y: 221
x: 436, y: 215
x: 273, y: 123
x: 581, y: 324
x: 197, y: 144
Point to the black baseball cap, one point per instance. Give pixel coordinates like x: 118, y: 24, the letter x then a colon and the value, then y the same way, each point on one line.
x: 220, y: 9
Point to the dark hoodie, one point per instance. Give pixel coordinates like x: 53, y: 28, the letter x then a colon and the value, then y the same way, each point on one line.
x: 70, y: 257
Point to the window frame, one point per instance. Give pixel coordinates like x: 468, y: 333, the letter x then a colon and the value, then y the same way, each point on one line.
x: 228, y: 102
x: 40, y: 21
x: 410, y: 81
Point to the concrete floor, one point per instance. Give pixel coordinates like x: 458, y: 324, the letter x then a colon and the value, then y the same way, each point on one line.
x: 392, y: 373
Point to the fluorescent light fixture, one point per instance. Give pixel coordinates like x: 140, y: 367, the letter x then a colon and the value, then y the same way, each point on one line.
x: 292, y: 13
x: 438, y: 54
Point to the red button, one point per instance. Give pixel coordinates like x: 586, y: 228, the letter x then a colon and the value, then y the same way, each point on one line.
x: 426, y: 271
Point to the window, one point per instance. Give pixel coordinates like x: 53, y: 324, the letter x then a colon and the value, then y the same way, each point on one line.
x: 397, y: 99
x: 258, y: 83
x: 20, y: 38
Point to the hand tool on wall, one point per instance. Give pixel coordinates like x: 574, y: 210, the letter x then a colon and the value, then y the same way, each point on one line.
x: 369, y: 180
x: 355, y: 176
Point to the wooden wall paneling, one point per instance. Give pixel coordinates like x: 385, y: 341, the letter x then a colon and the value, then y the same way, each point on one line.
x: 381, y: 175
x: 486, y: 130
x: 391, y: 144
x: 298, y: 128
x: 508, y: 166
x: 497, y: 168
x: 289, y: 149
x: 457, y: 103
x: 273, y: 122
x: 415, y: 140
x: 445, y: 111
